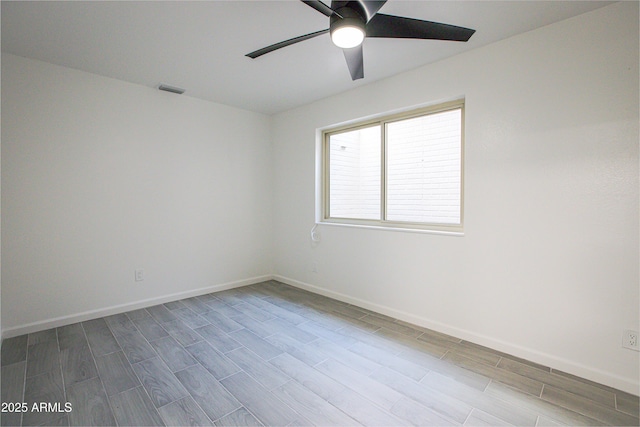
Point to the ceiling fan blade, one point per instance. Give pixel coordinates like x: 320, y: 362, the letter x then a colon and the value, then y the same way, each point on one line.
x: 260, y: 52
x: 337, y: 4
x: 319, y: 6
x: 355, y: 62
x: 398, y: 27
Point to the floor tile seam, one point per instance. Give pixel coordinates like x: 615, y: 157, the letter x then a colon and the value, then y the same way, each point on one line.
x: 349, y: 388
x: 224, y: 378
x: 544, y: 401
x: 427, y: 409
x: 376, y: 405
x: 456, y: 350
x: 346, y: 414
x: 274, y: 396
x: 359, y: 373
x: 444, y: 355
x: 382, y: 329
x: 39, y: 373
x: 519, y: 407
x: 529, y: 364
x: 171, y: 309
x: 70, y: 386
x: 635, y: 414
x: 305, y: 387
x: 161, y: 327
x: 571, y: 389
x: 141, y: 384
x: 64, y: 387
x: 491, y: 378
x: 581, y: 412
x: 267, y: 336
x: 187, y: 367
x: 173, y: 401
x: 13, y: 363
x: 398, y: 331
x: 468, y: 415
x: 113, y: 414
x: 588, y: 383
x: 270, y: 392
x: 93, y: 358
x: 255, y: 416
x: 591, y: 401
x: 372, y: 333
x: 219, y: 381
x: 116, y: 335
x: 440, y: 394
x: 124, y: 391
x: 319, y: 363
x: 111, y: 352
x: 363, y: 315
x: 143, y: 337
x: 537, y: 416
x: 624, y: 394
x: 409, y: 325
x: 24, y: 380
x: 229, y: 413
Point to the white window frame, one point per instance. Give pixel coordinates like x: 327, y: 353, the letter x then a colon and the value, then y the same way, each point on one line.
x: 439, y: 228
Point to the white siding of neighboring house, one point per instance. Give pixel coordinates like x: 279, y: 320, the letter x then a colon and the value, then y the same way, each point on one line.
x: 423, y: 169
x: 355, y: 174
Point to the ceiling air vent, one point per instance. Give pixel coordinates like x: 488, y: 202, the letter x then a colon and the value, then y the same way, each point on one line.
x: 171, y: 89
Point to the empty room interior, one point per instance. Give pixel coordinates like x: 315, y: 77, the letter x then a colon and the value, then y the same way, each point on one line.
x: 320, y: 213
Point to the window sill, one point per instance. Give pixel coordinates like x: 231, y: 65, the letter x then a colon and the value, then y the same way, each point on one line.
x: 397, y: 229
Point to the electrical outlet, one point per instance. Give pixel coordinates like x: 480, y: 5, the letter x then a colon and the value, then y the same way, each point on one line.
x: 314, y: 267
x: 139, y: 275
x: 630, y: 340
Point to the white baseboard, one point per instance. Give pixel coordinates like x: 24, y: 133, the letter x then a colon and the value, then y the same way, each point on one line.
x: 625, y: 384
x: 628, y: 385
x: 108, y: 311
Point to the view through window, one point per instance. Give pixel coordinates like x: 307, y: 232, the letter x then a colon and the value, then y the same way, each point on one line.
x: 401, y: 171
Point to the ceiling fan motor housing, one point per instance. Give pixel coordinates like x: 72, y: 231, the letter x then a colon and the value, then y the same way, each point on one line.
x: 351, y: 15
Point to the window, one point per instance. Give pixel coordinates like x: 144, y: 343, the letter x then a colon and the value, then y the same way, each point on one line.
x: 402, y: 171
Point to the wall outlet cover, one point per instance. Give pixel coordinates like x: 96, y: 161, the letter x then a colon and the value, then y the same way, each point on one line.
x: 630, y: 340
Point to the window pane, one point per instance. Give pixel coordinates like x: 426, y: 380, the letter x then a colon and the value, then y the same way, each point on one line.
x: 354, y: 174
x: 423, y: 168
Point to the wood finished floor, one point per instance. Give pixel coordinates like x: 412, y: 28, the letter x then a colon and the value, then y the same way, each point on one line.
x: 274, y: 355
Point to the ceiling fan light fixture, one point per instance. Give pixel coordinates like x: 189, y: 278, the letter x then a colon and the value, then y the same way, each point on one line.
x: 347, y: 28
x: 347, y: 36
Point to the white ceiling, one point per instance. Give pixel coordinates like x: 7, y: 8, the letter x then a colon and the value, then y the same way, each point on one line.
x: 200, y: 46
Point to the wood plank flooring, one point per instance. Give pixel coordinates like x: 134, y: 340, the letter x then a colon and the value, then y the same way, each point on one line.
x: 273, y: 355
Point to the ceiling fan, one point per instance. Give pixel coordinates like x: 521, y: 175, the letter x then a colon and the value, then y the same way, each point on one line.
x: 351, y: 21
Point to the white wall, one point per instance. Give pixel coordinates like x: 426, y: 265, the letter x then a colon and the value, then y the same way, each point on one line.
x: 100, y: 177
x: 1, y: 337
x: 548, y: 265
